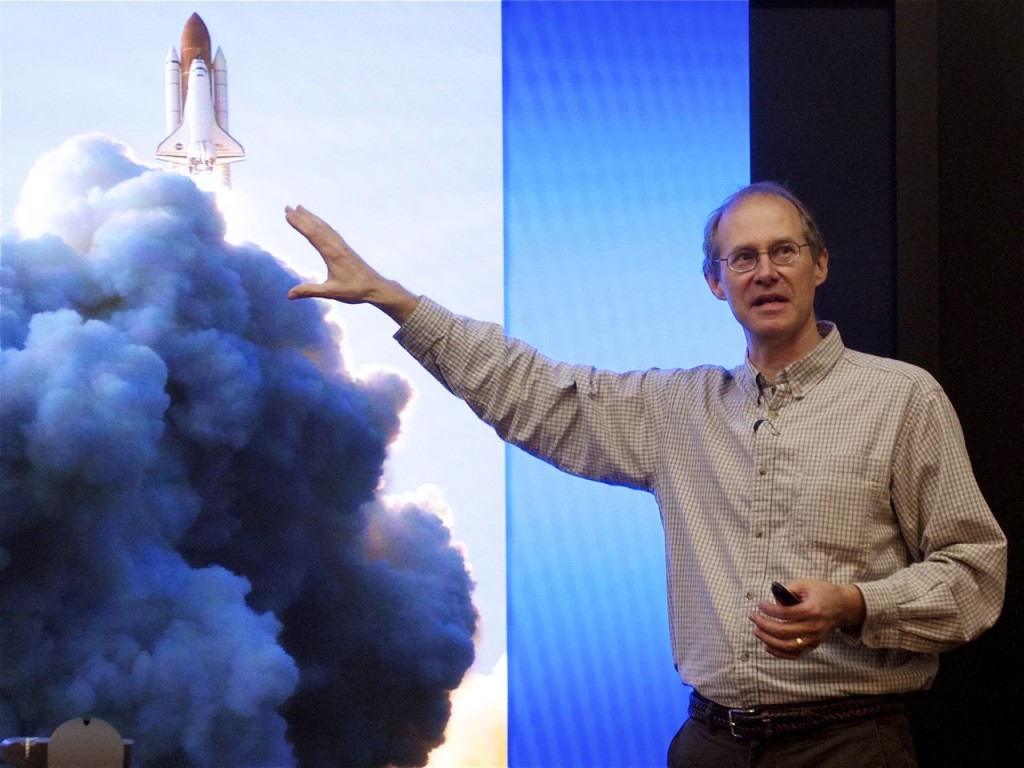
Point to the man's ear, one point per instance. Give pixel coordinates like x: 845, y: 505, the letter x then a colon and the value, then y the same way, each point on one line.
x: 821, y: 268
x: 715, y: 285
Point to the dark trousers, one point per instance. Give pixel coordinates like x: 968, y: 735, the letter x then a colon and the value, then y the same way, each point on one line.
x: 881, y: 742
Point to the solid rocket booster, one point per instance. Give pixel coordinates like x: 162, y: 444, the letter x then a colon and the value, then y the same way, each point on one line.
x: 196, y: 106
x: 220, y: 89
x: 172, y: 91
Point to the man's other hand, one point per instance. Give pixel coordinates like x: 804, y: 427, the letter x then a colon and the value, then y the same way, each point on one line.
x: 789, y: 632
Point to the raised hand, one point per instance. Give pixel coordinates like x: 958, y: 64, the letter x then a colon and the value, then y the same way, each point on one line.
x: 349, y: 279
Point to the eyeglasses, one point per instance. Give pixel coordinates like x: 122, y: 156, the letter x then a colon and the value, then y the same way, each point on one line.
x: 781, y: 254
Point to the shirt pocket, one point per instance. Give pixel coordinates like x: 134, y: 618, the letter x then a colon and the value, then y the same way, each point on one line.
x: 841, y: 508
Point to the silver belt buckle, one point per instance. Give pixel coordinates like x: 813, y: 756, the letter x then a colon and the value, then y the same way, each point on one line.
x: 732, y: 722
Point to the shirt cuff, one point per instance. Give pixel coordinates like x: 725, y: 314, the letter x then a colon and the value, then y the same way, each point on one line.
x: 880, y: 629
x: 421, y: 328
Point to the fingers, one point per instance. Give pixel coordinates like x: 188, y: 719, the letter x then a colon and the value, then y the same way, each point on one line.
x: 308, y: 224
x: 295, y: 216
x: 792, y: 645
x: 301, y: 218
x: 787, y: 639
x: 320, y: 234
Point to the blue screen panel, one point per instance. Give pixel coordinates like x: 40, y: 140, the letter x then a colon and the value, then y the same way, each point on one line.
x: 625, y: 124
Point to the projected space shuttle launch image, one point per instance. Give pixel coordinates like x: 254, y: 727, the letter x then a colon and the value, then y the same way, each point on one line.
x: 196, y: 96
x: 274, y: 566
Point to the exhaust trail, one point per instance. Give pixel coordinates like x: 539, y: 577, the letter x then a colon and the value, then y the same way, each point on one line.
x: 192, y: 544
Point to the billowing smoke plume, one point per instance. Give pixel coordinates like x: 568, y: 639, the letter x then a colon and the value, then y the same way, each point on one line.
x: 190, y: 543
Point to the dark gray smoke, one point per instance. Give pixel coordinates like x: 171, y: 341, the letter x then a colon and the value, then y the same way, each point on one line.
x: 190, y: 543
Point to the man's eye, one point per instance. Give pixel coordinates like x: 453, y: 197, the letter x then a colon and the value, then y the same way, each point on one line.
x: 785, y: 250
x: 743, y: 259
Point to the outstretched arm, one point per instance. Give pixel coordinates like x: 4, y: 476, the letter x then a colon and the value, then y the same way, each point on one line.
x: 349, y: 279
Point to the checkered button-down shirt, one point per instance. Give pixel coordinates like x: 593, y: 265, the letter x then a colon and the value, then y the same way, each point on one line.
x: 851, y: 469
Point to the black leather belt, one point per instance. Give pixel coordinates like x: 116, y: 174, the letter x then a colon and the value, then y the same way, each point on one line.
x: 787, y: 719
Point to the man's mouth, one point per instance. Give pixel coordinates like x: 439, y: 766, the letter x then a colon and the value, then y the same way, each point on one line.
x: 769, y: 298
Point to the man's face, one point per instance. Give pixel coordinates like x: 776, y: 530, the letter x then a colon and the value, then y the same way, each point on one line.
x: 774, y: 304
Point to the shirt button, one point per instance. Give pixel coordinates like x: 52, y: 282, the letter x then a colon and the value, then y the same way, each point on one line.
x: 773, y: 414
x: 762, y: 470
x: 750, y: 595
x: 758, y: 534
x: 744, y: 656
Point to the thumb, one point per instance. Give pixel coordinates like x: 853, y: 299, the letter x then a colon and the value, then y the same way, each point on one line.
x: 307, y: 291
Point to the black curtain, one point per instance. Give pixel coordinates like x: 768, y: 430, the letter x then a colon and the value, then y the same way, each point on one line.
x: 902, y: 125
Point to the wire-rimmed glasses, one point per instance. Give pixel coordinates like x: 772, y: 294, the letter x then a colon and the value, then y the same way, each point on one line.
x: 782, y: 254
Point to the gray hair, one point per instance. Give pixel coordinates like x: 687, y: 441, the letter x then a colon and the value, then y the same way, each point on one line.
x: 761, y: 188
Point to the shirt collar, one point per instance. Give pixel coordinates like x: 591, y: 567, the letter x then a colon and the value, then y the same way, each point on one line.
x: 801, y: 375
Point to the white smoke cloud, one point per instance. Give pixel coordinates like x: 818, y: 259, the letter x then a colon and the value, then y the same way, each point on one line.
x: 191, y: 545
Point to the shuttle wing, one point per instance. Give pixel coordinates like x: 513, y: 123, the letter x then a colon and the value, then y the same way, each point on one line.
x: 228, y: 150
x: 218, y: 146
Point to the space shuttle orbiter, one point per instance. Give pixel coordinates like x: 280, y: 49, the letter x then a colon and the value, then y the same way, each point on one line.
x: 196, y: 94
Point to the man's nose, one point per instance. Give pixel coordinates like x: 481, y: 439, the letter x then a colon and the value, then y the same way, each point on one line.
x: 765, y: 269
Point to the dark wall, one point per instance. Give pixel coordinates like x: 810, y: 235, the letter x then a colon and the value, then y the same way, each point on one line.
x: 979, y: 266
x: 821, y: 84
x: 902, y: 125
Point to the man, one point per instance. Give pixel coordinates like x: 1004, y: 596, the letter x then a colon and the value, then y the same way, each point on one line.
x: 840, y: 474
